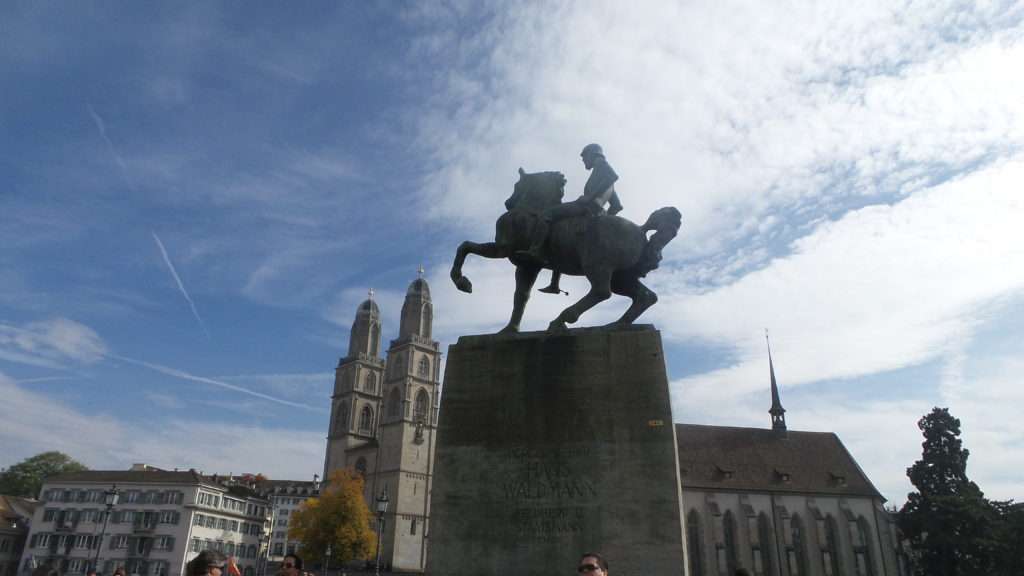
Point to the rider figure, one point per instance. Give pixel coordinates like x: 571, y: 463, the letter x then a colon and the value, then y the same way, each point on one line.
x: 598, y: 191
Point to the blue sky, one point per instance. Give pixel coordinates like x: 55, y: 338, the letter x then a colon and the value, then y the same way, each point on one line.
x: 195, y: 198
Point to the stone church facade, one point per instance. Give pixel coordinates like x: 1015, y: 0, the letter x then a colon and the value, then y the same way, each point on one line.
x: 383, y: 419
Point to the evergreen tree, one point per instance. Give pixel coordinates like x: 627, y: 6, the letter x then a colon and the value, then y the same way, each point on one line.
x: 339, y: 518
x: 949, y: 523
x: 26, y: 477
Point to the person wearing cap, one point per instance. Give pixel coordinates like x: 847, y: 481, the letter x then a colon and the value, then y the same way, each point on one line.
x: 592, y: 564
x: 598, y: 191
x: 207, y: 563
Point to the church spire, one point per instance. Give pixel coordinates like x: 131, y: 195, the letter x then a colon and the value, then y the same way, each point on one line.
x: 777, y: 411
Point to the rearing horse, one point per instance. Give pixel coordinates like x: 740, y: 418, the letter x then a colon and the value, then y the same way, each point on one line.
x: 612, y: 252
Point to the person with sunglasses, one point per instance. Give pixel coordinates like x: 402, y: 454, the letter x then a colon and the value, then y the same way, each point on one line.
x: 592, y: 564
x: 207, y: 563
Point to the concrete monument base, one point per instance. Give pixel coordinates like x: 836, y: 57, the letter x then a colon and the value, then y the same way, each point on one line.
x: 552, y: 445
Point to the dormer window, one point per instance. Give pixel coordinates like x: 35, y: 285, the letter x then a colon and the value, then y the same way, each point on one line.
x: 837, y: 479
x: 724, y: 473
x: 782, y: 476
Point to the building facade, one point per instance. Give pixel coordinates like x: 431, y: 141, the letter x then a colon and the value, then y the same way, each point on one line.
x: 383, y: 421
x: 162, y: 520
x: 15, y: 516
x: 285, y: 497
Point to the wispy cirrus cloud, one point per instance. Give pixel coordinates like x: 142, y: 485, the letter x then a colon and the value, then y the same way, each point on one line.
x: 53, y: 343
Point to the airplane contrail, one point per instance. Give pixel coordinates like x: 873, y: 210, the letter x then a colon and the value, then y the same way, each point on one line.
x: 181, y: 286
x: 186, y: 376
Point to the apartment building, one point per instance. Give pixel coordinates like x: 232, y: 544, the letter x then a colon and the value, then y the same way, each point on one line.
x: 286, y: 496
x: 160, y: 521
x: 15, y: 514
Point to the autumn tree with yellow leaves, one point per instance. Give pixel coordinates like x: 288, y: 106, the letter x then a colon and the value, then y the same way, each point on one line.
x: 339, y: 518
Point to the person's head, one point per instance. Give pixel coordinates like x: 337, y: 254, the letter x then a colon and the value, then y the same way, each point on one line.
x: 292, y: 565
x: 119, y: 571
x: 590, y: 153
x: 207, y: 563
x: 592, y: 564
x: 90, y: 572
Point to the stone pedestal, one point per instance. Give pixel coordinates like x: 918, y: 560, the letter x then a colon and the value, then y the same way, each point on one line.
x: 550, y: 446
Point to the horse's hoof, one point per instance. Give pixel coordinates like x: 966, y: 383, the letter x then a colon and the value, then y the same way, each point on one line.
x: 463, y: 283
x: 557, y: 326
x: 510, y: 329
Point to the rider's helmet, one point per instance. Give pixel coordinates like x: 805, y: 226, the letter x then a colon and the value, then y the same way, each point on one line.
x: 592, y: 149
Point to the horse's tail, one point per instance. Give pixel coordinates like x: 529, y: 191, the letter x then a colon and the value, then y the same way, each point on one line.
x: 666, y: 223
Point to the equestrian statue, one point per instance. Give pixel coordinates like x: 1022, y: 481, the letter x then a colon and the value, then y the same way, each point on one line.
x: 578, y: 238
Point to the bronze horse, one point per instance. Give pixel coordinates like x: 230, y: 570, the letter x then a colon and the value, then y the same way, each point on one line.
x: 612, y: 252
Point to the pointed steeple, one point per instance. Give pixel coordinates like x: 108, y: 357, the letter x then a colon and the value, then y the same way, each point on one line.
x: 417, y: 310
x: 777, y: 411
x: 365, y: 335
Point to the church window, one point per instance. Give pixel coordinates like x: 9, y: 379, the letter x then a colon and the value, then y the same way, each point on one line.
x: 830, y: 548
x: 371, y: 382
x: 394, y: 404
x: 424, y: 368
x: 366, y: 421
x: 420, y: 413
x: 695, y: 544
x: 762, y: 553
x: 361, y: 466
x: 412, y: 527
x: 341, y: 420
x: 728, y: 549
x: 795, y: 558
x: 859, y: 531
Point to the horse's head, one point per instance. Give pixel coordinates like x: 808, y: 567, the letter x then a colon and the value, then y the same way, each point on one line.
x: 537, y: 190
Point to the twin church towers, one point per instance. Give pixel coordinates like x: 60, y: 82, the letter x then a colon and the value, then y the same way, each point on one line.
x: 384, y: 418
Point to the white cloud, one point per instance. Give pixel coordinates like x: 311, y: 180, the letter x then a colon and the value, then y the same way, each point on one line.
x: 51, y: 343
x: 35, y: 423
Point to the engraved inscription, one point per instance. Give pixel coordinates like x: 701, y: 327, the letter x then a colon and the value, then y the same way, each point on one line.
x: 546, y: 493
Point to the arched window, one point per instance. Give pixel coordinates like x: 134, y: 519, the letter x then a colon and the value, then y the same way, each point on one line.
x: 762, y: 553
x: 830, y: 548
x: 361, y: 466
x: 420, y: 412
x: 371, y: 382
x: 394, y: 403
x: 795, y: 555
x: 729, y: 537
x: 694, y: 543
x: 860, y: 532
x: 366, y: 421
x: 341, y: 418
x: 424, y: 367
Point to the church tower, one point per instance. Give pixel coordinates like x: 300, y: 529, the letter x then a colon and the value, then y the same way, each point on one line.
x: 777, y: 412
x: 409, y: 420
x: 356, y: 402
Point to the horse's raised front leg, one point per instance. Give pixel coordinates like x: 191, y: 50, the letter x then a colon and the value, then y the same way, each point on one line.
x: 642, y: 296
x: 525, y: 277
x: 600, y: 290
x: 487, y: 250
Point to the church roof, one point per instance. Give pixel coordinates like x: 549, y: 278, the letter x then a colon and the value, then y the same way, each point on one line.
x: 727, y: 458
x: 419, y: 287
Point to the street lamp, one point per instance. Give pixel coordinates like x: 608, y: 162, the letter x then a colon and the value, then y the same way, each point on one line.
x: 110, y: 498
x: 382, y: 507
x: 327, y: 558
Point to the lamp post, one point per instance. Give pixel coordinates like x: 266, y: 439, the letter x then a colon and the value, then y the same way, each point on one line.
x: 382, y: 507
x: 110, y: 498
x: 327, y: 559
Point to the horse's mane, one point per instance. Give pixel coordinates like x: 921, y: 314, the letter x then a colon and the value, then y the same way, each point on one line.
x: 536, y: 191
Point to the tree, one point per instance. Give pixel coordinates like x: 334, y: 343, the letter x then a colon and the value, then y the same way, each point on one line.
x: 949, y: 523
x: 26, y: 478
x: 339, y: 518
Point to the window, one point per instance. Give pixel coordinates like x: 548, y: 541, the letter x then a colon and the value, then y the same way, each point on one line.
x: 693, y: 540
x: 412, y: 527
x: 371, y: 382
x: 234, y: 525
x: 163, y: 543
x: 229, y: 549
x: 49, y: 515
x: 197, y: 520
x: 420, y: 411
x: 44, y: 540
x: 222, y: 524
x: 169, y: 517
x: 158, y: 569
x: 859, y: 531
x: 727, y: 550
x: 119, y: 541
x: 424, y: 367
x: 394, y: 403
x: 131, y: 496
x: 197, y: 544
x: 795, y: 558
x: 366, y: 421
x: 278, y: 548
